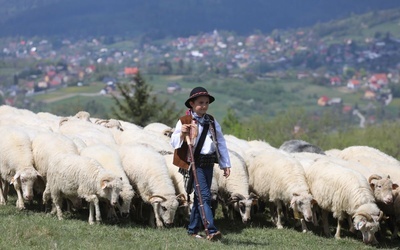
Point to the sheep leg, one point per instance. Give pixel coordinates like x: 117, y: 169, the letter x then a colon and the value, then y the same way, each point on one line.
x: 304, y: 227
x: 279, y: 214
x: 20, y: 200
x: 91, y: 213
x: 338, y: 228
x: 315, y: 218
x: 3, y: 200
x: 351, y: 225
x: 98, y: 213
x: 325, y: 223
x: 57, y: 200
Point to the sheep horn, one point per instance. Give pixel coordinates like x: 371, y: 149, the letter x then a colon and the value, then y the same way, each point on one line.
x: 62, y: 120
x: 380, y: 215
x: 236, y: 197
x: 368, y: 216
x: 181, y: 197
x: 374, y: 177
x: 159, y: 196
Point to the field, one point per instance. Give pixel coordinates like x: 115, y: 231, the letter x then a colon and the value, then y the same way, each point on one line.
x: 265, y: 98
x: 33, y: 229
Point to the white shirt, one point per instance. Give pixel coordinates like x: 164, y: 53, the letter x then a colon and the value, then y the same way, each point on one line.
x: 208, y: 146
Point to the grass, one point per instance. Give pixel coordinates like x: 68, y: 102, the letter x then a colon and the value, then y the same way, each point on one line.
x: 33, y: 229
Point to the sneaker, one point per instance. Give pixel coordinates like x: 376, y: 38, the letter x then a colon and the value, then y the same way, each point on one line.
x: 214, y: 236
x: 196, y: 236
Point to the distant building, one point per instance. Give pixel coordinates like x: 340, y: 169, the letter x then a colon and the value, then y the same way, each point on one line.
x: 173, y: 87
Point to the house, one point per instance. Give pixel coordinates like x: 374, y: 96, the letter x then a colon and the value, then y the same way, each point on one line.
x: 335, y: 101
x: 369, y: 95
x: 323, y: 101
x: 378, y: 79
x: 129, y: 71
x: 353, y: 84
x: 335, y: 81
x: 173, y: 87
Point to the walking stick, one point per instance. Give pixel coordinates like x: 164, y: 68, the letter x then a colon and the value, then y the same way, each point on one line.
x: 196, y: 181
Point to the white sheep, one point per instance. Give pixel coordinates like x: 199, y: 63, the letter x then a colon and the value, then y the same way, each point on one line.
x: 234, y: 192
x: 89, y: 133
x: 16, y: 164
x: 342, y: 191
x: 236, y: 144
x: 110, y: 159
x: 160, y: 129
x: 276, y: 177
x: 383, y: 165
x: 137, y: 135
x: 73, y: 176
x: 147, y: 172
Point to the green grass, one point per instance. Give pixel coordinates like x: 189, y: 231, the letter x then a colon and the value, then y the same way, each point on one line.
x: 33, y: 229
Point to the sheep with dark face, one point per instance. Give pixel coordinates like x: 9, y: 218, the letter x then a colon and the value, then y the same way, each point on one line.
x: 293, y: 146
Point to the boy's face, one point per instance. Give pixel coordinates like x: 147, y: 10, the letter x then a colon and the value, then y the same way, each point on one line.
x: 200, y: 105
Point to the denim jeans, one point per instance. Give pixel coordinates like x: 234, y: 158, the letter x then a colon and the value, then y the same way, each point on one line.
x: 204, y: 176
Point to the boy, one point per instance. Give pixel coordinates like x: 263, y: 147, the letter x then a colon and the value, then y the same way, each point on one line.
x: 209, y: 148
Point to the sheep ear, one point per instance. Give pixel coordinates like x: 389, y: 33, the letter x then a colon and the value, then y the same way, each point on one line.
x: 15, y: 178
x: 395, y: 186
x: 359, y: 225
x: 104, y: 184
x: 372, y: 185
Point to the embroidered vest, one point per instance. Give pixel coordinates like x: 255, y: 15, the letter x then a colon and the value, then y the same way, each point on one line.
x: 181, y: 154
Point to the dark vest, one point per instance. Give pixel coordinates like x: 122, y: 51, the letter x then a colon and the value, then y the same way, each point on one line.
x: 181, y: 154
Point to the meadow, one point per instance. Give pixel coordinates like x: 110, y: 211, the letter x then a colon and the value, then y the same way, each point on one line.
x: 35, y: 229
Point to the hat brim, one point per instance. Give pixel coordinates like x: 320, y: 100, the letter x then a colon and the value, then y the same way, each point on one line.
x: 187, y: 103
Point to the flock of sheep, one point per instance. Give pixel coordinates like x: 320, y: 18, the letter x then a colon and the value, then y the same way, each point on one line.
x: 118, y: 168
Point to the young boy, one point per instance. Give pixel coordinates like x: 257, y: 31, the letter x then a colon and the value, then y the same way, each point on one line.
x: 209, y: 148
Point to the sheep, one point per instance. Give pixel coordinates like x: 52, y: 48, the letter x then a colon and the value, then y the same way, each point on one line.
x: 109, y: 159
x: 73, y: 176
x: 275, y: 176
x: 16, y: 164
x: 89, y: 133
x: 46, y: 146
x: 159, y: 128
x: 233, y: 192
x: 292, y: 146
x: 380, y: 183
x: 148, y: 174
x: 343, y: 192
x: 383, y: 165
x: 137, y: 135
x: 236, y: 144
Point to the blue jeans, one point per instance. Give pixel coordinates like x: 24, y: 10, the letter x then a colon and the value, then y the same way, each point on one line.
x: 204, y: 176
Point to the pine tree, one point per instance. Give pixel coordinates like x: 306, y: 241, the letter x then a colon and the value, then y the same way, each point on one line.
x: 139, y: 107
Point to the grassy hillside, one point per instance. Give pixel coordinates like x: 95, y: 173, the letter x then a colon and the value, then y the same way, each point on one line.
x: 266, y: 98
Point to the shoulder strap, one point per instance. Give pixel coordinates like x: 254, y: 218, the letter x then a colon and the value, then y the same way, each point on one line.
x: 201, y: 141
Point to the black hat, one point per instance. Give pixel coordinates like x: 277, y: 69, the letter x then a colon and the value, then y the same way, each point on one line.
x: 196, y: 92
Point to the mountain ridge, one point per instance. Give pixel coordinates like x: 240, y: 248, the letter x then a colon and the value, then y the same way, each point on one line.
x: 171, y: 17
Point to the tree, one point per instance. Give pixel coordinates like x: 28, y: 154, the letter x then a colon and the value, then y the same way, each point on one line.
x: 139, y: 107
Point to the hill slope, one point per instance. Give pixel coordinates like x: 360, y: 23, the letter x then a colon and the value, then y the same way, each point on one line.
x: 171, y: 17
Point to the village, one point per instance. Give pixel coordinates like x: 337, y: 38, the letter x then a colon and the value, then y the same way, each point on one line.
x: 301, y: 55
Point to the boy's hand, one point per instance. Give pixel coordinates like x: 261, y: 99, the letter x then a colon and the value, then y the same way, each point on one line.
x: 227, y: 172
